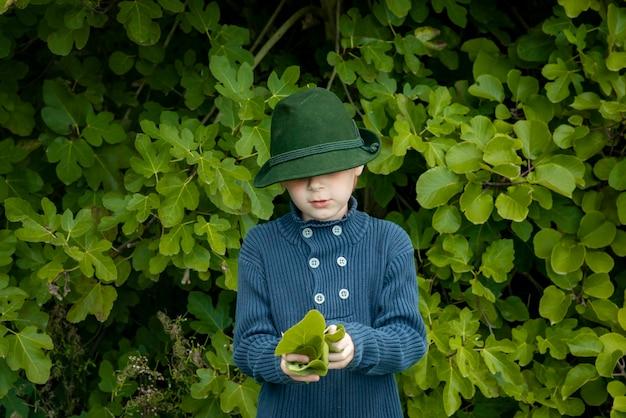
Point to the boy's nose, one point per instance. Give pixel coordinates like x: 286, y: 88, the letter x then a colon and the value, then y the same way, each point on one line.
x: 315, y: 183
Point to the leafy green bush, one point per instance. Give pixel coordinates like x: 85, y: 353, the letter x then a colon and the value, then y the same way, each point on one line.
x: 129, y: 135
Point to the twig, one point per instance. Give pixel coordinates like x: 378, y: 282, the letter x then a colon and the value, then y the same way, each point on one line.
x: 208, y: 115
x: 132, y: 242
x: 267, y: 26
x: 281, y: 32
x: 337, y: 16
x: 345, y: 88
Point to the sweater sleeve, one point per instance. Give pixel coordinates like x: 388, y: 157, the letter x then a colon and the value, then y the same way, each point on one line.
x: 397, y: 337
x: 255, y: 335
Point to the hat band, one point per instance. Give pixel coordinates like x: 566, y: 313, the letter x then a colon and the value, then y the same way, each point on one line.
x: 315, y: 149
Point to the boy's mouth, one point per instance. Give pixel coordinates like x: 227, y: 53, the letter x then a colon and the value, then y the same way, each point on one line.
x: 319, y: 203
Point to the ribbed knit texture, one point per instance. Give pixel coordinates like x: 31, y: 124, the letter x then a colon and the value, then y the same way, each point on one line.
x: 278, y: 285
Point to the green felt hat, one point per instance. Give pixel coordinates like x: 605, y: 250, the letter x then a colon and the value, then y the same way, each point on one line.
x: 313, y: 134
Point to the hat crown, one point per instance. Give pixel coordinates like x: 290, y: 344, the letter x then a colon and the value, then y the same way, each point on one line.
x: 309, y: 118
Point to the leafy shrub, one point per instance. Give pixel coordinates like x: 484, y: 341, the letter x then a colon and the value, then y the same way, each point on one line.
x: 131, y: 130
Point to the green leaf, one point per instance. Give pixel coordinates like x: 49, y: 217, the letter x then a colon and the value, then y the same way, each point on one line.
x: 436, y: 186
x: 501, y: 150
x: 447, y: 219
x: 206, y: 386
x: 175, y: 6
x: 599, y: 261
x: 69, y: 154
x: 9, y: 155
x: 399, y: 8
x: 179, y: 195
x: 497, y: 260
x: 487, y: 87
x: 299, y: 335
x: 96, y: 299
x: 214, y: 231
x: 535, y: 137
x: 522, y: 87
x: 595, y: 231
x: 558, y: 90
x: 567, y: 256
x: 101, y: 127
x: 598, y: 285
x: 513, y: 309
x: 138, y: 16
x: 584, y: 343
x: 573, y: 8
x: 283, y: 86
x: 234, y: 83
x: 154, y: 159
x: 476, y: 204
x: 514, y: 203
x: 616, y: 23
x: 203, y: 18
x: 255, y: 137
x: 209, y: 318
x: 92, y: 258
x: 464, y: 157
x: 535, y: 46
x: 479, y: 131
x: 240, y: 397
x: 554, y: 304
x: 617, y: 178
x: 177, y: 237
x: 25, y: 350
x: 498, y: 362
x: 7, y: 378
x: 64, y: 111
x: 121, y: 63
x: 577, y: 377
x: 455, y: 386
x: 544, y: 241
x: 555, y: 177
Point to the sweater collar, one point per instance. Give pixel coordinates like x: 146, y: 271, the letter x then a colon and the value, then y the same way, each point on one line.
x: 353, y: 223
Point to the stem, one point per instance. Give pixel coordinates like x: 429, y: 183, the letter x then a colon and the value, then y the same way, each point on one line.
x: 281, y: 32
x: 337, y: 16
x: 267, y: 26
x: 345, y: 88
x: 208, y: 115
x: 503, y: 183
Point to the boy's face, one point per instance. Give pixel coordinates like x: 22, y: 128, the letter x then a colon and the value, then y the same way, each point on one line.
x: 325, y: 197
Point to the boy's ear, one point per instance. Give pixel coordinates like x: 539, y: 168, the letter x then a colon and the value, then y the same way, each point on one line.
x: 359, y: 170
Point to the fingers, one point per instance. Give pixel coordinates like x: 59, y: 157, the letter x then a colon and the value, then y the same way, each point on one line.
x: 297, y: 358
x: 342, y: 353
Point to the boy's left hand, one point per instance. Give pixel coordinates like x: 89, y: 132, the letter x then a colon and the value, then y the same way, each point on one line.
x: 341, y: 352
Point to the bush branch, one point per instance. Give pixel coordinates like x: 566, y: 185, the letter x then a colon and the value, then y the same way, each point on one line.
x: 281, y: 32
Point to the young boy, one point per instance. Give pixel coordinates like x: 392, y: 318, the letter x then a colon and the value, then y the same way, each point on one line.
x: 357, y: 270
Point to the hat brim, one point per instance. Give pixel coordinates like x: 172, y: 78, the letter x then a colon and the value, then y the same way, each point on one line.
x: 318, y: 164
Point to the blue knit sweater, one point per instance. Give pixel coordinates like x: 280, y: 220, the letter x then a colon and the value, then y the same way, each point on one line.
x: 358, y: 271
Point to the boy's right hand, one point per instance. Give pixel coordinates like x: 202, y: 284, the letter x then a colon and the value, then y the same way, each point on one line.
x: 297, y: 358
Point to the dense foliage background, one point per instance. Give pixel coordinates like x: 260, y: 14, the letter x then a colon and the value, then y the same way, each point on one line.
x: 130, y: 132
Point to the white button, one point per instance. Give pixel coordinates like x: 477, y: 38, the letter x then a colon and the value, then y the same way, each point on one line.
x: 343, y: 293
x: 314, y: 263
x: 337, y: 230
x: 342, y: 261
x: 319, y: 298
x: 307, y: 232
